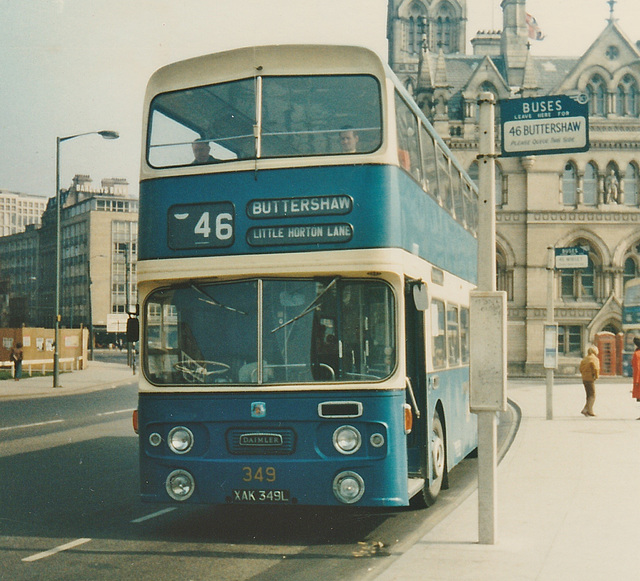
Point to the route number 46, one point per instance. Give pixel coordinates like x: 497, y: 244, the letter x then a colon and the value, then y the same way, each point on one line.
x: 223, y: 226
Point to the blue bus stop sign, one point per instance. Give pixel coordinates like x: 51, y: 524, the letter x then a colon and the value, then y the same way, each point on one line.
x: 544, y: 125
x: 572, y: 257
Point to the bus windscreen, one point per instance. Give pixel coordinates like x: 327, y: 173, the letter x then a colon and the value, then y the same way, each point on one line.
x: 271, y: 331
x: 265, y: 117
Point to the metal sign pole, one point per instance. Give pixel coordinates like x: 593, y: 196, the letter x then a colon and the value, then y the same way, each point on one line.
x: 549, y: 369
x: 487, y: 332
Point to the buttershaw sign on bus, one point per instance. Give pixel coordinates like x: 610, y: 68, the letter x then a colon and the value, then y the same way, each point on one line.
x: 544, y: 125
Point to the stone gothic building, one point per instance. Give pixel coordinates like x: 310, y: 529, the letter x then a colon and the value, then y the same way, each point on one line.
x: 586, y: 199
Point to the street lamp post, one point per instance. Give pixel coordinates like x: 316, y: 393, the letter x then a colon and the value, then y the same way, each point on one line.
x: 56, y: 343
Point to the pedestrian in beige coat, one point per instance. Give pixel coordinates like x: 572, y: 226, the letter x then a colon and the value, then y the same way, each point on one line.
x: 590, y: 371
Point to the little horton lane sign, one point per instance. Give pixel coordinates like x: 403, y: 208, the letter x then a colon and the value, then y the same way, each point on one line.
x: 544, y: 125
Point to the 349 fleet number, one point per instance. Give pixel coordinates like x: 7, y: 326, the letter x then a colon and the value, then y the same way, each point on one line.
x: 258, y: 474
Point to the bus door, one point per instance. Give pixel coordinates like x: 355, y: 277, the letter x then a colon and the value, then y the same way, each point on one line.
x: 416, y: 302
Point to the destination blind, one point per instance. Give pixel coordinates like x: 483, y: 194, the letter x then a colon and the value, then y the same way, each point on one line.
x: 288, y: 234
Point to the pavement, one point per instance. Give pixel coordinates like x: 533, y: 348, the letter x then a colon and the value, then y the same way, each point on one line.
x: 568, y: 489
x: 568, y: 498
x: 98, y: 375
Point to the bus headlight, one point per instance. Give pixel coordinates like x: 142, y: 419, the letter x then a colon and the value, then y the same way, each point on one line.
x: 348, y: 487
x: 347, y: 440
x: 180, y: 440
x: 180, y: 485
x: 377, y: 440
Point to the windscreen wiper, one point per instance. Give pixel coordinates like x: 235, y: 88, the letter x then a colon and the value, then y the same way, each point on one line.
x: 308, y: 309
x: 211, y: 301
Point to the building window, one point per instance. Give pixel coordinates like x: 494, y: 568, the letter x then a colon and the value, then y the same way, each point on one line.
x: 417, y: 27
x: 570, y: 340
x: 627, y: 97
x: 631, y: 185
x: 501, y: 182
x: 569, y: 184
x: 590, y: 185
x: 445, y: 29
x: 500, y: 198
x: 504, y: 275
x: 597, y: 92
x: 579, y: 283
x: 631, y: 264
x: 630, y: 268
x: 620, y: 101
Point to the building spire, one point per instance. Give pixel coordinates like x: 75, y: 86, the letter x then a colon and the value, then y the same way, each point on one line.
x: 612, y: 4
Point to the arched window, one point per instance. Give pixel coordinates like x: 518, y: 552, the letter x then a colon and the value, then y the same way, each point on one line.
x: 474, y: 174
x: 631, y: 264
x: 631, y: 185
x: 630, y: 268
x: 620, y: 101
x: 416, y: 24
x: 489, y: 87
x: 627, y: 97
x: 597, y: 92
x: 633, y: 100
x: 445, y: 28
x: 500, y: 197
x: 569, y: 184
x: 590, y: 185
x: 504, y: 276
x: 580, y: 284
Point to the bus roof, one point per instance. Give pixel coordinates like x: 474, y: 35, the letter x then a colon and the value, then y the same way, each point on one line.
x: 268, y: 60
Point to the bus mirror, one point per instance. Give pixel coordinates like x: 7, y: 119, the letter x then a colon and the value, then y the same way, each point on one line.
x: 420, y: 296
x: 133, y: 329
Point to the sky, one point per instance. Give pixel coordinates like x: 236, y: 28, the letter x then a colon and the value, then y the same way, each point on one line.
x: 75, y: 66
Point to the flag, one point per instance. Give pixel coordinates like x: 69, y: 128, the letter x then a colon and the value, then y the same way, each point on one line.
x: 533, y: 29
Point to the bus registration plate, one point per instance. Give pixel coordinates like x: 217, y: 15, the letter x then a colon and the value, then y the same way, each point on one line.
x: 260, y: 496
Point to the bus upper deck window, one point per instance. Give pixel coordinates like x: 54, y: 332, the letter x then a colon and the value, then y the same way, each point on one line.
x: 300, y: 116
x: 320, y: 115
x: 216, y: 119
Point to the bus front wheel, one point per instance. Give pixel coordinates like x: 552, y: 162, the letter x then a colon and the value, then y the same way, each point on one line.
x: 438, y: 460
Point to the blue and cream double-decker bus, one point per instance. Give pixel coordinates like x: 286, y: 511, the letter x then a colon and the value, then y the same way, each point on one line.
x: 307, y: 250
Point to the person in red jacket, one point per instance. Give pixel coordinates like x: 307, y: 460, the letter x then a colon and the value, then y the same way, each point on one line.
x: 635, y: 365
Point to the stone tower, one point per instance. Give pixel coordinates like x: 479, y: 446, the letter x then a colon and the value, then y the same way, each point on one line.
x: 415, y: 26
x: 514, y: 40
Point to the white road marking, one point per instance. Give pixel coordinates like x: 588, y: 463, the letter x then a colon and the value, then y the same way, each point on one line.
x: 31, y: 425
x: 115, y: 412
x: 59, y: 549
x: 154, y: 514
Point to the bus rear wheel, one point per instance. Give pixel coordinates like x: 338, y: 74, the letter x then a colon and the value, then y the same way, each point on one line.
x: 438, y: 457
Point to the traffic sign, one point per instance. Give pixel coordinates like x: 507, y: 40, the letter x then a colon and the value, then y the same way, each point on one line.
x: 572, y: 257
x: 551, y: 346
x: 544, y: 125
x: 116, y: 322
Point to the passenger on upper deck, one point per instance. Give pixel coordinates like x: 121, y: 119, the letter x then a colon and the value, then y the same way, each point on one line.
x: 349, y: 140
x: 201, y: 152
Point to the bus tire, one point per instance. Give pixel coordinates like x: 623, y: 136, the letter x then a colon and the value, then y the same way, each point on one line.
x: 437, y: 450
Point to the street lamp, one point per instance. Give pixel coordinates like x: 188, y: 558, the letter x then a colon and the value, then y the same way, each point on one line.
x: 56, y: 344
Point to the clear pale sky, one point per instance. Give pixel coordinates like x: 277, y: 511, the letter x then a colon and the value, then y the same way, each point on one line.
x: 71, y: 66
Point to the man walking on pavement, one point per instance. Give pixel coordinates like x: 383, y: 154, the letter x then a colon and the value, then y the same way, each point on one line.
x: 590, y: 371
